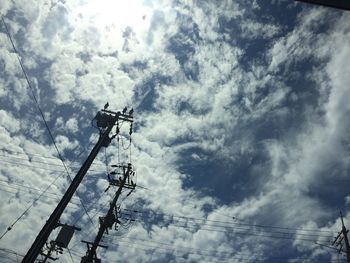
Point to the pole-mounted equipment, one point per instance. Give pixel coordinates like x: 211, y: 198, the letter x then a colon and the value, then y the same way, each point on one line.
x: 105, y: 121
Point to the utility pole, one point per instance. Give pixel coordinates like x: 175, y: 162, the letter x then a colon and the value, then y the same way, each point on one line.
x: 105, y: 121
x: 343, y: 235
x: 112, y: 215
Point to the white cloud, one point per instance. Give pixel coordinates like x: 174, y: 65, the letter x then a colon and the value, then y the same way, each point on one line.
x: 82, y: 56
x: 8, y: 122
x: 72, y: 125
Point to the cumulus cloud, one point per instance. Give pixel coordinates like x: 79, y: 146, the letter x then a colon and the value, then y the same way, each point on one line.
x: 236, y: 115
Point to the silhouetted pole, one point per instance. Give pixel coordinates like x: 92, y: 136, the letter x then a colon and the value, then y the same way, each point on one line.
x: 108, y: 220
x: 346, y: 239
x: 105, y: 120
x: 344, y: 234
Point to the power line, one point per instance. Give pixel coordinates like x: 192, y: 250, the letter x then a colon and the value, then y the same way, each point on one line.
x: 14, y: 155
x: 54, y: 170
x: 190, y: 249
x: 216, y: 228
x: 174, y: 251
x: 226, y: 222
x: 94, y: 215
x: 215, y: 231
x: 198, y: 252
x: 228, y: 228
x: 29, y: 190
x: 105, y: 120
x: 92, y: 206
x: 111, y: 217
x: 216, y: 221
x: 9, y: 251
x: 31, y: 166
x: 194, y: 228
x: 90, y: 175
x: 70, y: 255
x: 32, y: 161
x: 29, y: 207
x: 13, y: 260
x: 34, y: 201
x: 342, y: 239
x: 40, y: 167
x: 40, y: 110
x: 27, y: 154
x: 34, y: 97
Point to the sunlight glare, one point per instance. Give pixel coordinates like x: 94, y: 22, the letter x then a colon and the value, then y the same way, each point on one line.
x: 117, y: 13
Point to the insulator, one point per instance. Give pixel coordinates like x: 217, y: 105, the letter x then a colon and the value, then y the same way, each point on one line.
x: 117, y: 128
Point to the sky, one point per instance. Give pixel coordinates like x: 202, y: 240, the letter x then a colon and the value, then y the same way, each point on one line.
x: 241, y: 138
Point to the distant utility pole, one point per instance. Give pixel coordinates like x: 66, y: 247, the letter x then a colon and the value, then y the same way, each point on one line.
x: 343, y: 235
x: 105, y: 121
x: 339, y: 4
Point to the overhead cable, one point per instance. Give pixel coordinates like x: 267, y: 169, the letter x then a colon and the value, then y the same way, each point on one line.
x: 214, y: 258
x: 40, y: 110
x: 230, y: 223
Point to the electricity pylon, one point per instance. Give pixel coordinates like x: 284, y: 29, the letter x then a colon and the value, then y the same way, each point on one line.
x: 105, y: 121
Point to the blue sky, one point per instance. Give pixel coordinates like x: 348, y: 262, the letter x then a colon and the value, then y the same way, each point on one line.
x: 241, y: 110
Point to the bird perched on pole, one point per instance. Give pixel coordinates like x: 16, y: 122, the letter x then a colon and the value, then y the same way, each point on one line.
x: 106, y: 106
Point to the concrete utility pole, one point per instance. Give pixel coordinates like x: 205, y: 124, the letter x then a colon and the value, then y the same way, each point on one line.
x: 343, y: 235
x: 105, y: 121
x: 339, y: 4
